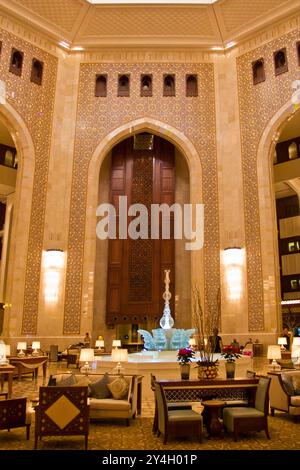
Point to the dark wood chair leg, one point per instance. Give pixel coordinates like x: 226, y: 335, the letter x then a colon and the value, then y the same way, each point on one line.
x: 158, y: 433
x: 165, y: 437
x: 27, y: 431
x: 154, y: 427
x: 267, y: 431
x: 35, y: 442
x: 86, y: 441
x: 200, y: 436
x: 272, y: 411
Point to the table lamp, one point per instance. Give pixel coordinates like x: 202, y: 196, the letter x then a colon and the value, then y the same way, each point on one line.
x: 116, y: 343
x: 296, y: 350
x: 119, y: 355
x: 20, y: 347
x: 86, y: 356
x: 282, y: 341
x: 7, y: 347
x: 99, y: 344
x: 274, y: 352
x: 36, y: 345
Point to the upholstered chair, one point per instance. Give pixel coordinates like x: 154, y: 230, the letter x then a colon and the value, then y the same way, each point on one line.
x: 171, y: 422
x: 15, y: 414
x: 240, y: 419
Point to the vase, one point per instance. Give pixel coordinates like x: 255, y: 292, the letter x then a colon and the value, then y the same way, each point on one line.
x: 185, y: 371
x: 230, y: 370
x: 207, y: 370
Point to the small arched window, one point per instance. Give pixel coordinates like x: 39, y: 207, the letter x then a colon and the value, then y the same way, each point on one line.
x: 280, y: 61
x: 293, y: 151
x: 16, y: 62
x: 101, y: 85
x: 191, y: 85
x: 169, y: 85
x: 146, y: 85
x: 37, y: 72
x: 123, y: 85
x: 258, y: 71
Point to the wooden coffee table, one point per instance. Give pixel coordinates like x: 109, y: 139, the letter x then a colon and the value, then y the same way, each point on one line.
x: 211, y: 419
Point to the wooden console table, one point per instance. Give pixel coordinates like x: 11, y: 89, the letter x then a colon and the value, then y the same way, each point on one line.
x: 28, y: 364
x: 9, y: 371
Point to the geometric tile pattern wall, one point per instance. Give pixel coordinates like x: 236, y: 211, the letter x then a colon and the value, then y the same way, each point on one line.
x: 35, y: 105
x: 96, y: 117
x: 258, y: 103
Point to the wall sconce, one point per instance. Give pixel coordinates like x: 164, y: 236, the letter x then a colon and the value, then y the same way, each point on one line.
x: 233, y: 259
x: 53, y: 261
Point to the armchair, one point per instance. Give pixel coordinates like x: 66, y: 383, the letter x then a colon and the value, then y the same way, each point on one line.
x: 283, y: 395
x: 62, y: 411
x: 175, y: 422
x: 240, y: 419
x: 14, y: 414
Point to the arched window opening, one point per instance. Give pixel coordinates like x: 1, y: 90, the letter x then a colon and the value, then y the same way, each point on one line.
x: 293, y: 151
x: 123, y: 85
x: 258, y: 70
x: 146, y: 85
x: 191, y: 85
x: 101, y: 85
x: 16, y: 62
x: 169, y: 85
x: 37, y: 72
x: 280, y: 61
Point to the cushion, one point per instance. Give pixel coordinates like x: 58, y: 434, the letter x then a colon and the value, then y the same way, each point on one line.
x: 100, y: 389
x: 119, y: 388
x: 66, y: 382
x: 296, y: 384
x: 287, y: 383
x: 295, y: 400
x: 229, y: 415
x: 82, y: 382
x: 109, y: 404
x: 184, y: 415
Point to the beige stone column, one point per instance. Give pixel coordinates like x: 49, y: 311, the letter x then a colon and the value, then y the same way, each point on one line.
x: 51, y: 316
x: 234, y: 322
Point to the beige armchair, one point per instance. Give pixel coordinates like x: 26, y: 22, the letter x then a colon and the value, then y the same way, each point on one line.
x: 283, y: 396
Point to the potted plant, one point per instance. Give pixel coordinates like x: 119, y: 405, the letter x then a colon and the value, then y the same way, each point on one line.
x: 185, y: 357
x: 206, y: 322
x: 230, y: 357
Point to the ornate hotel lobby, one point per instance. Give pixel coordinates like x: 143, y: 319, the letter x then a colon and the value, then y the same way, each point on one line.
x: 149, y: 225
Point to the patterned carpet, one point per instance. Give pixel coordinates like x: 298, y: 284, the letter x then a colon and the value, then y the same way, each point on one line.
x: 115, y: 435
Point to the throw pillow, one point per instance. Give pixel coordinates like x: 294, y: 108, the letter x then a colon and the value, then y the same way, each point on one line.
x: 67, y: 382
x: 287, y: 383
x: 99, y: 389
x: 296, y: 384
x: 119, y: 388
x: 82, y: 382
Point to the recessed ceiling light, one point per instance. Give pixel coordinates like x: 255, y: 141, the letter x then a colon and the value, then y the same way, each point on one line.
x: 217, y: 48
x: 128, y: 2
x: 64, y: 44
x: 77, y: 48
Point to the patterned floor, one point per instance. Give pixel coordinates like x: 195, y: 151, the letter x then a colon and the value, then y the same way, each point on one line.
x: 114, y: 435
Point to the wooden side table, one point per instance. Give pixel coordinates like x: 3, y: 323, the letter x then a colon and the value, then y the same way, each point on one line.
x: 9, y: 371
x: 211, y: 419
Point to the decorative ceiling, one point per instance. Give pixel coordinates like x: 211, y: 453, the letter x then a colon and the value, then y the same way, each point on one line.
x: 81, y: 23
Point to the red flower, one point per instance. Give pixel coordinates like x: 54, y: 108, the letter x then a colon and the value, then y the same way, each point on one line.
x: 185, y: 355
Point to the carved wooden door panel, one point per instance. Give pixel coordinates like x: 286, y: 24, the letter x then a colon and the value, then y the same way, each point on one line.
x: 136, y: 267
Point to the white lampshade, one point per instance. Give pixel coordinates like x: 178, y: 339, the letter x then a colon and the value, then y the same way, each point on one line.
x: 296, y: 341
x: 86, y: 355
x: 2, y: 353
x: 99, y: 343
x: 22, y: 345
x: 192, y: 342
x: 274, y: 352
x: 119, y: 355
x: 116, y: 343
x: 36, y: 345
x: 282, y: 341
x: 7, y: 348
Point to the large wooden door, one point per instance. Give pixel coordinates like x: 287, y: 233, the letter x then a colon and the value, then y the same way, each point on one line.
x: 135, y: 281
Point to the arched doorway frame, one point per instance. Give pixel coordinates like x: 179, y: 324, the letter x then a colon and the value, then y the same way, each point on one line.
x: 21, y: 218
x: 186, y: 147
x: 267, y: 211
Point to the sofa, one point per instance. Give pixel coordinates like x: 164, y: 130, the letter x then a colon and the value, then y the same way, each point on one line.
x: 108, y: 407
x: 285, y: 392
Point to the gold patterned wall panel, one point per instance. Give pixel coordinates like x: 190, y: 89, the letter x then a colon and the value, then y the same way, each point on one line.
x: 96, y: 117
x: 34, y: 103
x: 258, y: 103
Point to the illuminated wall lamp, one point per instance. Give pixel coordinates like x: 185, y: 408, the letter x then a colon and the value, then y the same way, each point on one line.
x: 233, y: 259
x: 53, y: 261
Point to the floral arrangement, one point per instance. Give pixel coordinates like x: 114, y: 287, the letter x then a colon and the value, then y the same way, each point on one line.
x: 229, y: 353
x: 185, y: 355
